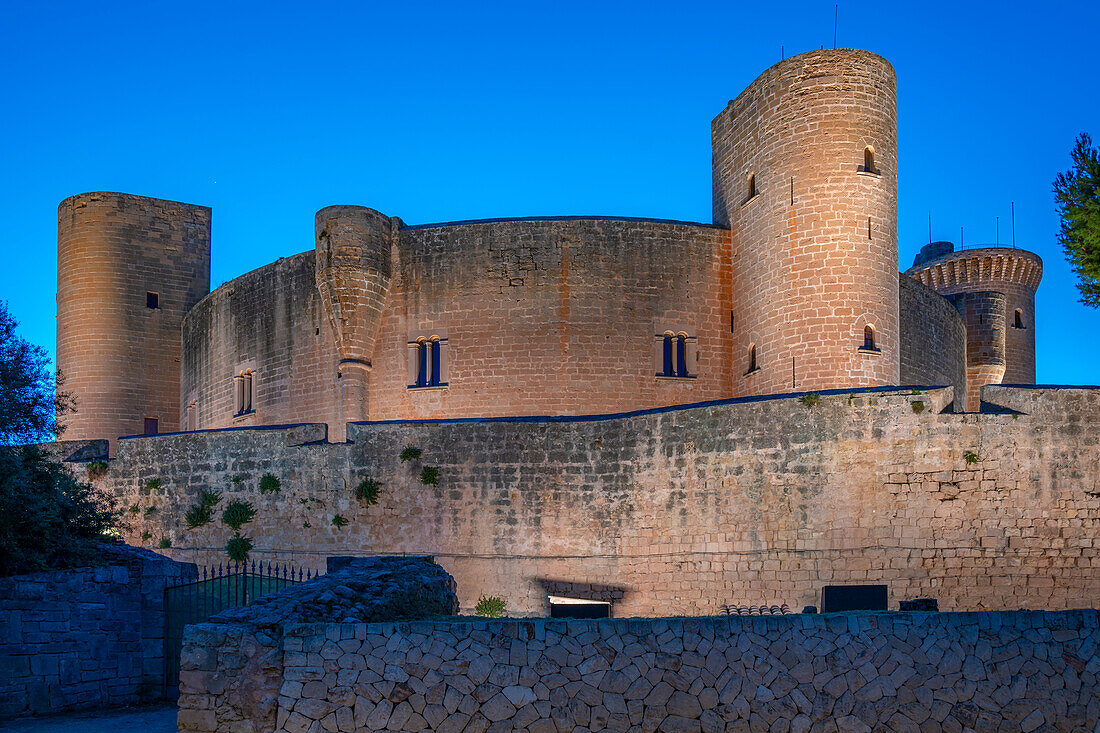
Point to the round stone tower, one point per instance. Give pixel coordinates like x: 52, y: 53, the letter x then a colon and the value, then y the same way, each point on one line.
x: 805, y: 176
x: 354, y: 269
x: 128, y: 269
x: 994, y: 290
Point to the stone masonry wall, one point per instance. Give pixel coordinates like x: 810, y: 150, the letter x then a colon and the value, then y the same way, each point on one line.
x: 677, y: 511
x: 933, y: 339
x: 1007, y: 671
x: 85, y: 638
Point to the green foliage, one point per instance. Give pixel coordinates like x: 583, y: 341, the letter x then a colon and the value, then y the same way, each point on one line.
x: 339, y: 521
x: 916, y: 391
x: 810, y: 400
x: 238, y: 513
x: 164, y: 543
x: 306, y: 525
x: 269, y: 483
x: 146, y: 535
x: 237, y: 480
x: 918, y: 406
x: 970, y: 457
x: 238, y: 548
x: 134, y: 509
x: 48, y: 519
x: 149, y: 510
x: 203, y: 512
x: 1077, y: 195
x: 429, y: 476
x: 491, y: 606
x: 367, y: 491
x: 31, y: 397
x: 410, y: 454
x: 97, y: 470
x: 152, y: 485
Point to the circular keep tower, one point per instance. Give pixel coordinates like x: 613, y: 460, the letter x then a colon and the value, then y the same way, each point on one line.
x: 805, y: 177
x: 993, y: 288
x: 128, y: 269
x: 354, y: 270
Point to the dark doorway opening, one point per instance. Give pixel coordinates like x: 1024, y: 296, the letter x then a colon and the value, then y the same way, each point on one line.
x: 571, y: 608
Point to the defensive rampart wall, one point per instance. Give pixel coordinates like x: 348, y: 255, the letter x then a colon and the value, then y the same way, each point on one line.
x: 933, y: 339
x: 675, y: 511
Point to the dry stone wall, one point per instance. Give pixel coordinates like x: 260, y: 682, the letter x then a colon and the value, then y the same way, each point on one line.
x: 1007, y: 671
x: 677, y: 511
x: 85, y: 638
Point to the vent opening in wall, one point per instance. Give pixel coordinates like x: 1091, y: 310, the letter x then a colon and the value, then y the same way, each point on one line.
x: 752, y: 360
x: 869, y: 160
x: 152, y: 300
x: 578, y: 608
x: 1018, y: 319
x: 750, y: 188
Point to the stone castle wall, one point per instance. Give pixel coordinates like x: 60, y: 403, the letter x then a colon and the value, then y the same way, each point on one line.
x: 85, y: 638
x: 933, y: 339
x: 1010, y: 671
x: 121, y: 359
x: 676, y: 511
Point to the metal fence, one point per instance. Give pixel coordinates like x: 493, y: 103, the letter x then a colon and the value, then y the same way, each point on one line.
x: 216, y: 589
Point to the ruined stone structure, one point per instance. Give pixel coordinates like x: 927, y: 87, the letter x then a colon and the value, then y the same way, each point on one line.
x: 794, y: 287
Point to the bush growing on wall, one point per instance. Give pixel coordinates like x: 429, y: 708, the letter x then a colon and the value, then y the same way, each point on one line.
x: 238, y: 548
x: 203, y: 512
x: 429, y: 476
x: 97, y: 470
x: 410, y: 454
x: 269, y: 483
x: 238, y: 514
x: 491, y: 606
x: 367, y: 491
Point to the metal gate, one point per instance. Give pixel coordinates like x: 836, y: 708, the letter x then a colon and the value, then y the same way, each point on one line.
x: 218, y: 588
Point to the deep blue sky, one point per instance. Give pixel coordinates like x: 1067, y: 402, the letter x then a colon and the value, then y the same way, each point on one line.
x: 436, y: 112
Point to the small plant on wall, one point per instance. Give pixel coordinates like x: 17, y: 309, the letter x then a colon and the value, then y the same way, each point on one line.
x: 238, y: 513
x: 269, y: 483
x: 238, y: 548
x: 97, y: 470
x: 429, y: 476
x: 152, y: 486
x: 203, y: 512
x: 237, y: 480
x: 164, y: 543
x: 367, y: 491
x: 339, y: 521
x: 810, y: 400
x: 490, y: 606
x: 410, y: 454
x: 918, y: 406
x: 134, y: 509
x: 146, y: 536
x: 970, y: 457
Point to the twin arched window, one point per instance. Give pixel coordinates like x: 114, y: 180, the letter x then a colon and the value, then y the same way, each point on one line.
x: 674, y: 352
x: 242, y: 387
x: 428, y: 362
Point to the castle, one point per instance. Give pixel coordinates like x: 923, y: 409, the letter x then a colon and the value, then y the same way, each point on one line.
x: 793, y: 287
x: 601, y: 408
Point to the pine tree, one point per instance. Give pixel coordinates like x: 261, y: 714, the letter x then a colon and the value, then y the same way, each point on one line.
x: 1077, y: 193
x: 30, y: 397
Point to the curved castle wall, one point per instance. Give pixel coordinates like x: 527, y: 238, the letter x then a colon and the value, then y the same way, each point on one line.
x: 120, y: 356
x: 933, y: 339
x: 814, y: 234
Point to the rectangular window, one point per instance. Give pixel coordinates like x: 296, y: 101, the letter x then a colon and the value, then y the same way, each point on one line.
x: 151, y: 426
x: 152, y: 300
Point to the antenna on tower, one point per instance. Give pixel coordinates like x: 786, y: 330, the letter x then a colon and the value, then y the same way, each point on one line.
x: 836, y: 14
x: 962, y: 239
x: 930, y: 227
x: 782, y: 53
x: 1014, y: 225
x: 998, y: 231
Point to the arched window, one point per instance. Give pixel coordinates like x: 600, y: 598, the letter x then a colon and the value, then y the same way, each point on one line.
x: 422, y: 359
x: 433, y: 349
x: 869, y: 160
x: 752, y: 359
x: 751, y: 187
x: 681, y: 355
x: 1018, y: 321
x: 427, y: 361
x: 869, y: 338
x: 242, y: 387
x: 667, y: 354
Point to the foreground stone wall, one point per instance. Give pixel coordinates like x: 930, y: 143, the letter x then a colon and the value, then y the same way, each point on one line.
x: 675, y: 512
x: 85, y: 638
x: 1009, y: 671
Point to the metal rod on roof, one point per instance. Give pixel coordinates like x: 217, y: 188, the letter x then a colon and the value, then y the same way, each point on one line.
x: 1014, y: 224
x: 962, y: 239
x: 998, y: 231
x: 930, y: 227
x: 836, y: 14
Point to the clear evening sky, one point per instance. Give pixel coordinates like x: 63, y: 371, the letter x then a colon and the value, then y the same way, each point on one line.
x: 437, y: 112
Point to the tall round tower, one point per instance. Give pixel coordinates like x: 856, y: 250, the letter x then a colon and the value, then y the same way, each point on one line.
x: 128, y: 269
x: 805, y: 176
x: 354, y: 251
x: 994, y: 290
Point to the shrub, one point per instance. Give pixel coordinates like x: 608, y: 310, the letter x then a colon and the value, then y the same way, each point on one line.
x: 367, y: 491
x: 48, y: 519
x: 165, y: 543
x: 146, y: 535
x: 810, y: 400
x: 152, y: 485
x: 149, y: 510
x: 238, y: 548
x: 238, y: 513
x: 237, y: 480
x: 429, y: 476
x: 134, y: 509
x: 970, y: 457
x: 918, y: 406
x: 339, y: 521
x: 203, y: 512
x: 269, y: 483
x: 410, y: 454
x: 491, y: 606
x: 97, y: 470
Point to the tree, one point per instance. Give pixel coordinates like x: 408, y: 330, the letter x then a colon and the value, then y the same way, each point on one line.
x: 1077, y: 194
x: 31, y: 398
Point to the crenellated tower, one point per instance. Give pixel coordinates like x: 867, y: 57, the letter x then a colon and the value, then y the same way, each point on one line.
x: 993, y: 288
x: 354, y: 269
x: 805, y: 176
x: 128, y: 269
